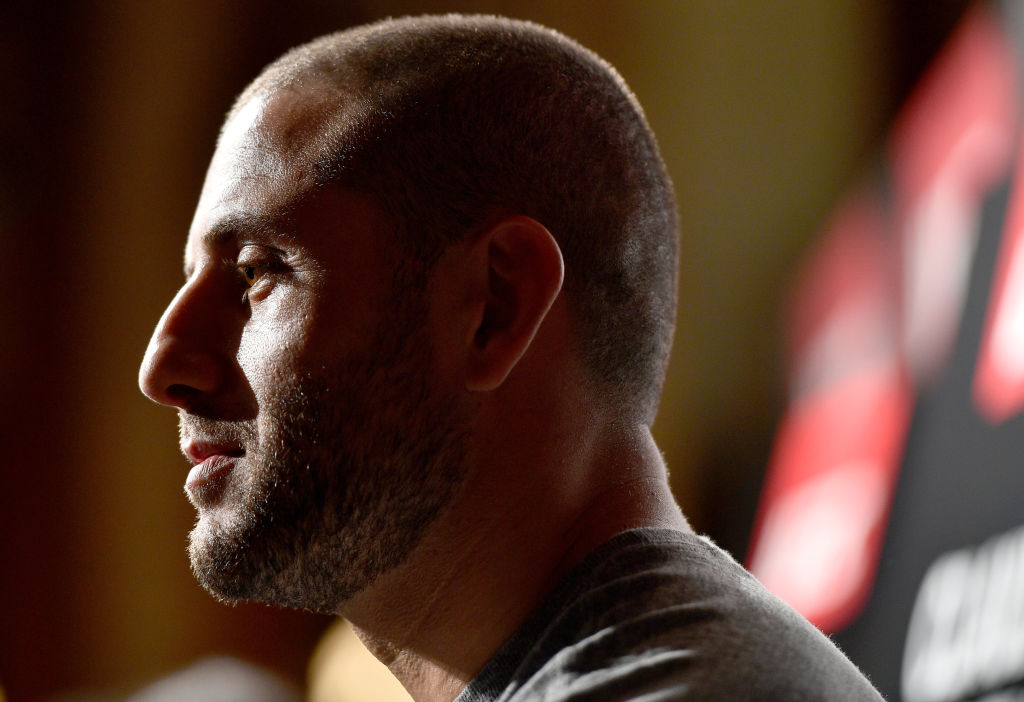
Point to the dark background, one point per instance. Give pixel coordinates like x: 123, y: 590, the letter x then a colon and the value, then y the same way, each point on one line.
x: 764, y: 111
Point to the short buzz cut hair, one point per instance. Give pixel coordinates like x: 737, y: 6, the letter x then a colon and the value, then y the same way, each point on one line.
x: 452, y: 121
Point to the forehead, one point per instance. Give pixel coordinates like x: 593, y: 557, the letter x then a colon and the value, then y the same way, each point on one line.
x: 261, y: 168
x: 247, y: 170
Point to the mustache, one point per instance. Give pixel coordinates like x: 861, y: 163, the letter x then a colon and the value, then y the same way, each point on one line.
x: 192, y: 427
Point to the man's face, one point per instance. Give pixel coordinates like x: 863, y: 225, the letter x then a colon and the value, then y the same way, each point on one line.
x: 301, y: 364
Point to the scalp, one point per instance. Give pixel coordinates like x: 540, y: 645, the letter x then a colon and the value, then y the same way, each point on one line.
x: 450, y: 121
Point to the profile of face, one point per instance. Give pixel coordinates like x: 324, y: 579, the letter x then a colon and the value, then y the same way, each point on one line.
x: 301, y: 364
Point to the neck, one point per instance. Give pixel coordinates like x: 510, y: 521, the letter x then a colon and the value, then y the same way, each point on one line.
x: 515, y: 530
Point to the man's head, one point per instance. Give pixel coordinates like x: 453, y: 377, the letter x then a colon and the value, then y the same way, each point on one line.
x: 302, y: 351
x: 451, y: 122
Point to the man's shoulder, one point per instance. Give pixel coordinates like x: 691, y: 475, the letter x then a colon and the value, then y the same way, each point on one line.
x: 669, y: 615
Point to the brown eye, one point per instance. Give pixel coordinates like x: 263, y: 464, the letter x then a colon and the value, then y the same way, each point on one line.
x: 250, y: 273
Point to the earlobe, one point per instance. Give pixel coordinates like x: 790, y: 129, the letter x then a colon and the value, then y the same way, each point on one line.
x: 524, y: 272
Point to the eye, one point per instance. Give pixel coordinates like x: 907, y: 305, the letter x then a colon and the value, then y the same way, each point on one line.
x: 259, y: 268
x: 251, y: 273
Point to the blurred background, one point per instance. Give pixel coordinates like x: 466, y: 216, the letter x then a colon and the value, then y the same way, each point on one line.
x: 764, y: 112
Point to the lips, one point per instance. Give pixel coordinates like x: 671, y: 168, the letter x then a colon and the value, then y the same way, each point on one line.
x: 212, y: 463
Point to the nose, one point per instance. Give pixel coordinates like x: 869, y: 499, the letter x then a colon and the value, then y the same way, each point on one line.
x: 183, y: 363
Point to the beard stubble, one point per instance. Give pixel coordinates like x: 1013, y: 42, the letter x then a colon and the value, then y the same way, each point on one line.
x: 344, y: 469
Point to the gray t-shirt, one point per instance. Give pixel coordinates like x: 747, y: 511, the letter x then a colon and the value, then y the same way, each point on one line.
x: 658, y: 614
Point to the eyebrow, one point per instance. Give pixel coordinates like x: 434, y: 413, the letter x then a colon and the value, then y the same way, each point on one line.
x: 231, y: 227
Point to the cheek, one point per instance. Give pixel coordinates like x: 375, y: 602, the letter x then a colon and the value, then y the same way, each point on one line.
x: 274, y: 344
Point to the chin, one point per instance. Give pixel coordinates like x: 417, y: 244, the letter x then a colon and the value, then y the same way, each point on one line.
x: 217, y: 563
x: 240, y: 564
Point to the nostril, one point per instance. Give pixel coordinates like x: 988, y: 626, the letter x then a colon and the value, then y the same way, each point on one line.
x: 180, y: 393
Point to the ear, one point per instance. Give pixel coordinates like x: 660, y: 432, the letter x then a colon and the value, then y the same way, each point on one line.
x: 520, y: 269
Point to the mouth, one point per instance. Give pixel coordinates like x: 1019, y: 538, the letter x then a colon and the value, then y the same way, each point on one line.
x: 211, y: 464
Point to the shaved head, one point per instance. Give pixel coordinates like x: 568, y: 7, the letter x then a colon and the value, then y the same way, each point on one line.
x: 451, y: 122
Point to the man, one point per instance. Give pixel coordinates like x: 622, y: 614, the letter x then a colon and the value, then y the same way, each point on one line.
x: 429, y: 299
